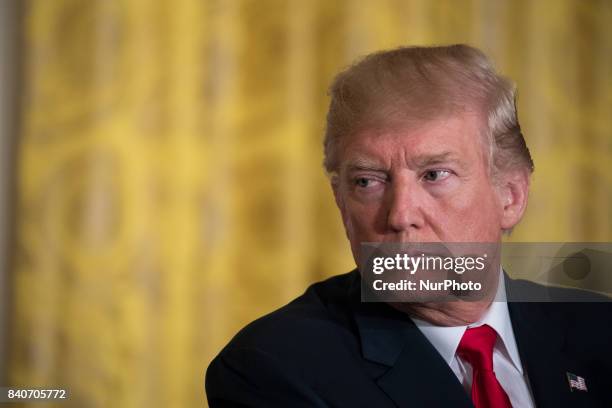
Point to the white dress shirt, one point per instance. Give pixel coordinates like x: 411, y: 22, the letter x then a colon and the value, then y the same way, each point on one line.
x: 506, y: 360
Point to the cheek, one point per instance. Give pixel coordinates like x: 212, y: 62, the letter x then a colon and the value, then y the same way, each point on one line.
x: 361, y: 220
x: 467, y: 217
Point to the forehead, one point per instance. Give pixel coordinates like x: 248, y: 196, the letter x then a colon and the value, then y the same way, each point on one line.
x: 459, y: 136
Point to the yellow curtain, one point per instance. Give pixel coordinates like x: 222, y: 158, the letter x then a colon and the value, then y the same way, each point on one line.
x: 170, y: 185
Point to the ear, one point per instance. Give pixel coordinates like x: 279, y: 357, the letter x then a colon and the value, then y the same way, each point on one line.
x: 514, y: 191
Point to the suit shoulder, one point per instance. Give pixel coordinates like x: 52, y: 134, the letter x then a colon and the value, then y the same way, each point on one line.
x: 320, y: 312
x: 521, y: 290
x: 582, y: 312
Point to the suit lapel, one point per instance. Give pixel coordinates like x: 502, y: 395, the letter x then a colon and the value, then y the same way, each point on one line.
x: 418, y: 375
x: 411, y: 372
x: 539, y: 342
x: 540, y: 335
x: 416, y: 372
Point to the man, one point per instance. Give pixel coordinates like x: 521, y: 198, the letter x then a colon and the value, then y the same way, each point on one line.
x: 423, y: 145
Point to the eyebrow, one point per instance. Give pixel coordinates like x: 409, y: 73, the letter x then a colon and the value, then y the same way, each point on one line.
x: 427, y: 160
x: 362, y: 163
x: 419, y: 162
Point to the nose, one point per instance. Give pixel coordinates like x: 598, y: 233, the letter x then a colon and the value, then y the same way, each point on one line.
x: 405, y: 210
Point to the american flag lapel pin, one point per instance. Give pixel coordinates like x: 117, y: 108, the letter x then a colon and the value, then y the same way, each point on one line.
x: 576, y: 382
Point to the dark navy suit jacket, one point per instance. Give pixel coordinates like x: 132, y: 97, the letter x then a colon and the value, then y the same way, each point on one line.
x: 327, y: 349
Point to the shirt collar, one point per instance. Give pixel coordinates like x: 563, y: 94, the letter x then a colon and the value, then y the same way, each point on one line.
x: 446, y: 339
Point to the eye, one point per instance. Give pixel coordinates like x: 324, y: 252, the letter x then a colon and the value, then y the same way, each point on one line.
x: 366, y: 182
x: 362, y: 182
x: 436, y: 175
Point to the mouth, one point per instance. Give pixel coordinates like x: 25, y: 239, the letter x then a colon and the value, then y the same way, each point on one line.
x: 412, y: 249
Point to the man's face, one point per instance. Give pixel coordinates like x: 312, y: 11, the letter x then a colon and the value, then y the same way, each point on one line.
x: 425, y: 183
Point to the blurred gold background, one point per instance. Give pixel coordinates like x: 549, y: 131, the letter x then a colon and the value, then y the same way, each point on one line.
x: 169, y: 186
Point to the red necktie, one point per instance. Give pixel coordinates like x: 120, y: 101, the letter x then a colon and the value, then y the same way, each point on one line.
x: 476, y: 347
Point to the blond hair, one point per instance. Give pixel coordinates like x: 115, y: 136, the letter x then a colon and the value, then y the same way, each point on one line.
x: 417, y: 84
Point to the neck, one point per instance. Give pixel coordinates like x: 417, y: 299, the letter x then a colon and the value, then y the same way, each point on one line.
x: 456, y: 313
